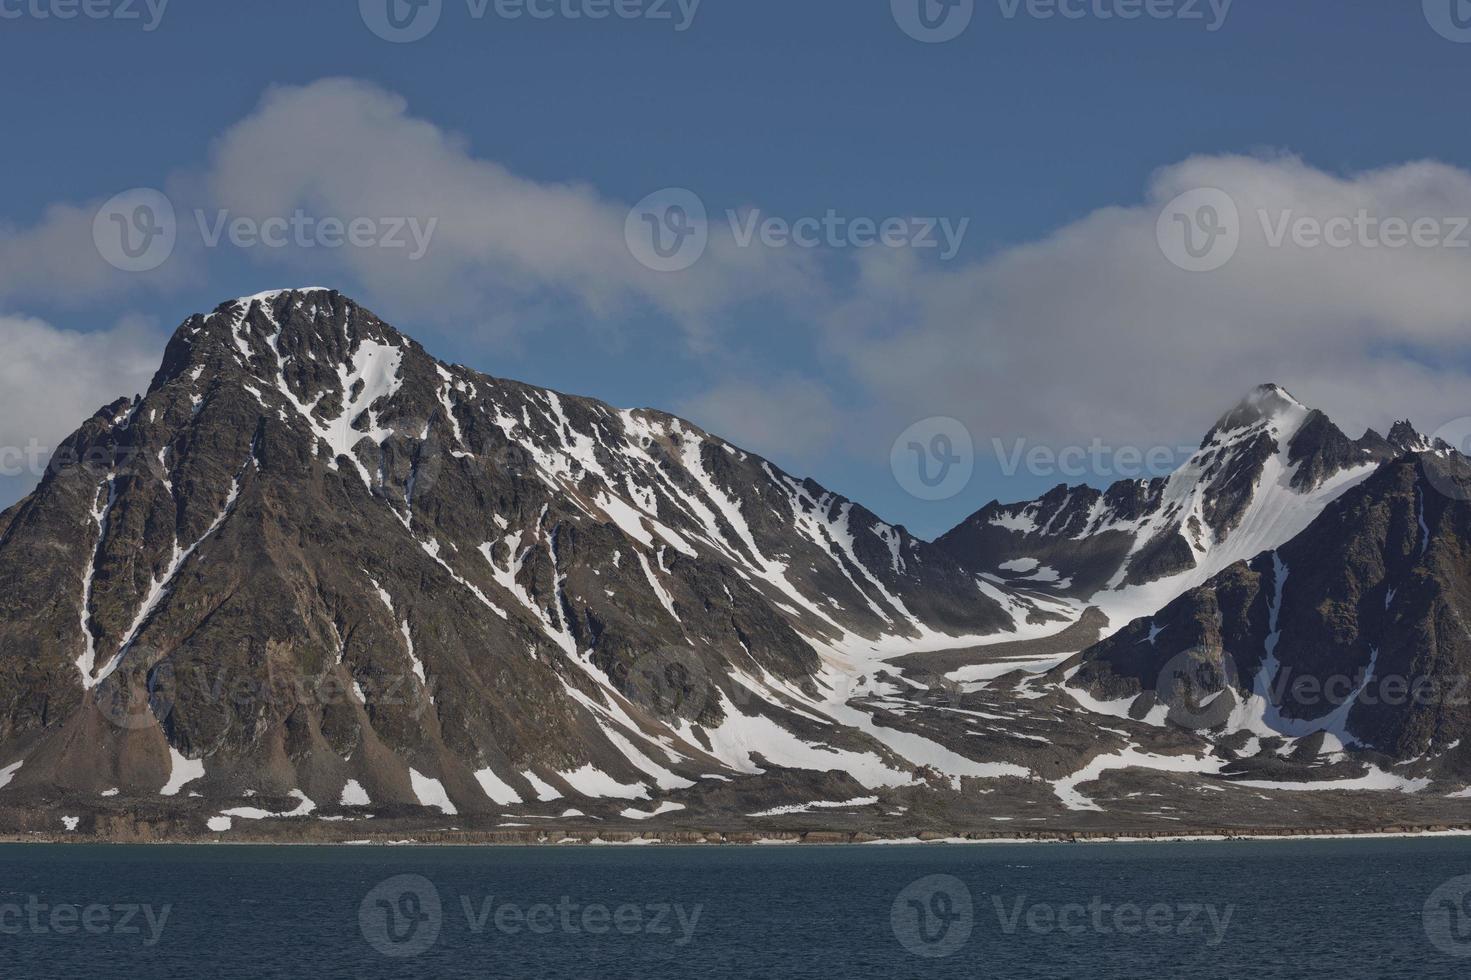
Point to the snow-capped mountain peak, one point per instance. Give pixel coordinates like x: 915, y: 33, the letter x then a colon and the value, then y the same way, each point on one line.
x: 564, y: 597
x: 1264, y: 403
x: 1260, y: 476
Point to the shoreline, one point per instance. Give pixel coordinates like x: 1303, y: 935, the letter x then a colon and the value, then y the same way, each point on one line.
x: 808, y: 839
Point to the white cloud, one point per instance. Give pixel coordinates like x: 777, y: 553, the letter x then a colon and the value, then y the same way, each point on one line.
x: 1088, y: 331
x: 346, y: 148
x: 507, y: 249
x: 787, y: 416
x: 1091, y: 331
x: 54, y: 379
x: 56, y: 260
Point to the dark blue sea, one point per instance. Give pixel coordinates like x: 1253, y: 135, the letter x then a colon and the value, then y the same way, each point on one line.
x: 1339, y: 909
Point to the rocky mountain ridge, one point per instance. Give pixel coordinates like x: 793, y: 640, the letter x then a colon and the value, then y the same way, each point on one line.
x: 306, y: 498
x: 1265, y: 470
x: 316, y: 576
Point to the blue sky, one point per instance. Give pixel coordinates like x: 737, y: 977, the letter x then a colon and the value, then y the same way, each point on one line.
x: 1053, y: 138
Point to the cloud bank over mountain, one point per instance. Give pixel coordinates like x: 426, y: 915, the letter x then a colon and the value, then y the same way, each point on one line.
x: 1090, y: 331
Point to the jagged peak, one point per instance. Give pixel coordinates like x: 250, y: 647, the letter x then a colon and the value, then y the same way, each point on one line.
x: 247, y: 325
x: 272, y: 298
x: 1264, y: 403
x: 231, y: 312
x: 1405, y: 437
x: 1270, y: 400
x: 272, y: 294
x: 1273, y: 390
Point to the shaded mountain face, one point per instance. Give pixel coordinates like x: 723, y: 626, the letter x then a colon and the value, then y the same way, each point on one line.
x: 1353, y: 635
x: 313, y: 559
x: 1266, y: 469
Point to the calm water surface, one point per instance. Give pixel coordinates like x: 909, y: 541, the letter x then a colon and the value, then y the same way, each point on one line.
x: 1342, y: 909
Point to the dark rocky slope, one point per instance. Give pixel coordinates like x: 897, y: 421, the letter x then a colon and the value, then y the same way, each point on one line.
x: 312, y: 559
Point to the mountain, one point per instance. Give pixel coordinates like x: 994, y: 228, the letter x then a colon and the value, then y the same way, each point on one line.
x: 1353, y: 635
x: 1262, y: 474
x: 1312, y: 633
x: 317, y: 585
x: 312, y: 559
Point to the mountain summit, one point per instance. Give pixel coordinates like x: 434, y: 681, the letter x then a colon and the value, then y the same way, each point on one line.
x: 1260, y: 476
